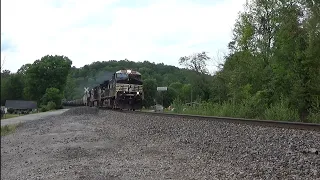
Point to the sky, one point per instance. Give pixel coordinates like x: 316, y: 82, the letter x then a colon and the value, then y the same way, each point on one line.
x: 159, y: 31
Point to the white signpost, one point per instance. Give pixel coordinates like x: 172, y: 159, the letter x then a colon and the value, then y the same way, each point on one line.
x: 162, y: 88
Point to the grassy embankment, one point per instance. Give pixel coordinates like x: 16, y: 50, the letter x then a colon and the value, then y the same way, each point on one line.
x: 279, y: 111
x: 8, y: 129
x: 8, y: 116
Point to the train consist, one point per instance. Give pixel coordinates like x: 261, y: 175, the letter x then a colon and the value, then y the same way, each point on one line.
x: 123, y: 91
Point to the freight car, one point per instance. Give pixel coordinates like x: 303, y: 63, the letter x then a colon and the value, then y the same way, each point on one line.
x: 123, y: 91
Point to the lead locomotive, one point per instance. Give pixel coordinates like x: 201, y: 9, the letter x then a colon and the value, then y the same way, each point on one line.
x: 123, y: 91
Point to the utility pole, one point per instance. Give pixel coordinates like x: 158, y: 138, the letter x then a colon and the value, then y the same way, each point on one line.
x: 162, y: 98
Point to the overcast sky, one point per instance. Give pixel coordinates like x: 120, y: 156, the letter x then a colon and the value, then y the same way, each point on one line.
x: 101, y: 30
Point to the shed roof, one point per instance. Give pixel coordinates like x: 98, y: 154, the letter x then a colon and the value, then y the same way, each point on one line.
x: 20, y: 104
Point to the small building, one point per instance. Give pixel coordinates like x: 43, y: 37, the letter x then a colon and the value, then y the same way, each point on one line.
x: 20, y: 106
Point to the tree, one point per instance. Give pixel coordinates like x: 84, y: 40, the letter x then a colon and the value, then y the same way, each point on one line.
x: 52, y: 95
x: 12, y: 88
x: 150, y: 90
x: 69, y: 92
x: 23, y: 69
x: 196, y: 62
x: 186, y: 93
x: 49, y: 72
x: 166, y: 97
x: 274, y: 54
x: 176, y: 87
x: 5, y: 73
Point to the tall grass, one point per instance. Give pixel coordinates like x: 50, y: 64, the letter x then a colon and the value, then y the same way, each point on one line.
x: 280, y: 111
x: 8, y: 129
x: 314, y: 117
x: 250, y: 108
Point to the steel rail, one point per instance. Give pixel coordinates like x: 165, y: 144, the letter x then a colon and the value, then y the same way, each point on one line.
x: 269, y: 123
x: 258, y: 122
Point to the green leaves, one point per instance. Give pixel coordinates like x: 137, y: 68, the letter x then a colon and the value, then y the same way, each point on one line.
x: 50, y: 71
x: 275, y: 50
x: 150, y: 90
x: 43, y: 81
x: 52, y: 95
x: 12, y: 87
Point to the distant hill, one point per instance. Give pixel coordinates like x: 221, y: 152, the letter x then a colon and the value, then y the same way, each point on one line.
x: 97, y: 72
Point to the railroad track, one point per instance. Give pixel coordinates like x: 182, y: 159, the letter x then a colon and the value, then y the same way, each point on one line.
x: 269, y: 123
x: 272, y: 123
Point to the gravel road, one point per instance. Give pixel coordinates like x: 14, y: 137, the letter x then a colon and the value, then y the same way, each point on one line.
x: 84, y: 143
x: 31, y: 117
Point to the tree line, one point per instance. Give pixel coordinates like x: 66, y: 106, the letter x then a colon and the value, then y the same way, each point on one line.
x: 272, y: 70
x: 44, y: 81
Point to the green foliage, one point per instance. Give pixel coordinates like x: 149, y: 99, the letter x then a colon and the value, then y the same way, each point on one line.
x: 51, y: 105
x: 281, y: 111
x: 314, y: 117
x: 186, y: 93
x: 52, y: 95
x: 150, y: 89
x: 49, y: 72
x: 273, y: 56
x: 10, y: 110
x: 8, y: 129
x: 12, y: 87
x: 166, y: 98
x: 43, y: 108
x: 70, y: 89
x: 23, y: 69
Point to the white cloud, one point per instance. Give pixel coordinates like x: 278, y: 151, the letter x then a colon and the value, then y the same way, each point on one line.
x: 88, y: 31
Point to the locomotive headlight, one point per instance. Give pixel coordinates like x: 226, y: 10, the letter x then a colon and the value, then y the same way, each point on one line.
x: 138, y: 92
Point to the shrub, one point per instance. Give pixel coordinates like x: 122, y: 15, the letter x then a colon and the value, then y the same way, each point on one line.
x: 281, y: 111
x: 314, y: 117
x: 54, y: 95
x: 10, y: 111
x: 51, y: 105
x: 43, y: 109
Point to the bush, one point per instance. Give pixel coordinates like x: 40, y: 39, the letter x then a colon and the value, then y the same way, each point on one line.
x: 314, y: 117
x: 43, y: 109
x: 54, y: 95
x: 51, y: 105
x: 10, y: 111
x: 252, y: 107
x: 281, y: 111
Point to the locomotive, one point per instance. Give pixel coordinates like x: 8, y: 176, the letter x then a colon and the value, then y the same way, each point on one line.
x: 123, y: 91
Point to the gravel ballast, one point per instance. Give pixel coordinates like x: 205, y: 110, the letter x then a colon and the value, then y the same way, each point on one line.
x: 85, y: 143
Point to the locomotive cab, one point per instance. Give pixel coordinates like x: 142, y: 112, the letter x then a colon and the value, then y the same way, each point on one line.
x: 129, y: 92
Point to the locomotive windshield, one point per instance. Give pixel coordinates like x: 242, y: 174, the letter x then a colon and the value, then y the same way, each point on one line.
x: 121, y: 76
x: 135, y: 76
x: 128, y: 78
